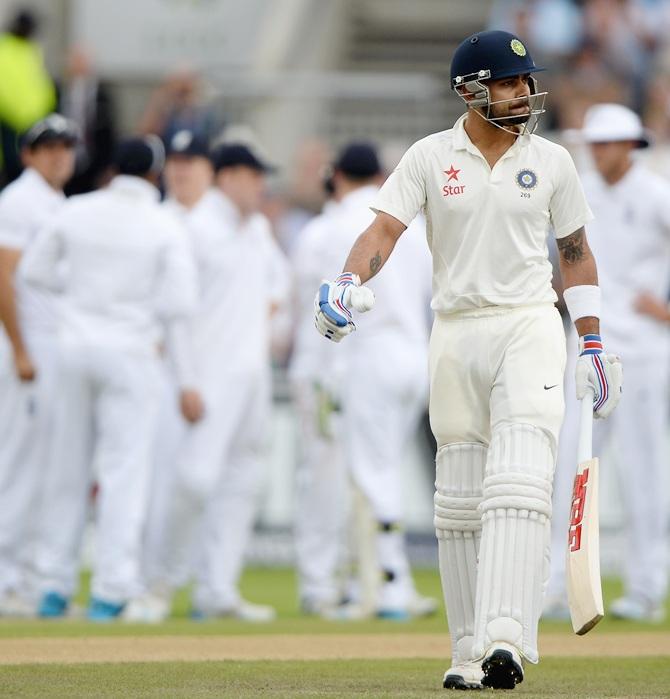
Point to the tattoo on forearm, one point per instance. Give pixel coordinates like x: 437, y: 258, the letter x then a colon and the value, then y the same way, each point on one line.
x: 572, y: 247
x: 375, y: 263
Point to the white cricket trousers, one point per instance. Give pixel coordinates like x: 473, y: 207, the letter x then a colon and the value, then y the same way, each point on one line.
x: 108, y: 402
x: 496, y: 407
x: 218, y: 472
x: 26, y: 415
x: 321, y: 494
x: 638, y: 429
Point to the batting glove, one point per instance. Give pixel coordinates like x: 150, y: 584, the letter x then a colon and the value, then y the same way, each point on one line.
x: 332, y: 314
x: 600, y: 373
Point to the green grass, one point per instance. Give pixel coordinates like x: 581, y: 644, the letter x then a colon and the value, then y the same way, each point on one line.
x: 278, y: 587
x: 582, y: 678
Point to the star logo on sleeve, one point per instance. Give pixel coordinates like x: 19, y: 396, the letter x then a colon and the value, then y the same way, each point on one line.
x: 452, y: 172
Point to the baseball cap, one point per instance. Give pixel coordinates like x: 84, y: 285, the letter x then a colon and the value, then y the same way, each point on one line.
x: 189, y: 144
x: 614, y: 122
x: 232, y: 154
x: 54, y: 127
x: 358, y: 160
x: 140, y: 156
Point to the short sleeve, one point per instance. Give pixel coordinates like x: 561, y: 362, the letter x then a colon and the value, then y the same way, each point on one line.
x: 403, y: 194
x: 15, y: 231
x: 568, y: 207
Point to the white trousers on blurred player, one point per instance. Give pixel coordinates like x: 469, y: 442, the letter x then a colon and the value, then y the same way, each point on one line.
x: 638, y: 430
x: 217, y: 476
x: 108, y: 401
x: 26, y: 415
x: 321, y: 494
x: 383, y: 403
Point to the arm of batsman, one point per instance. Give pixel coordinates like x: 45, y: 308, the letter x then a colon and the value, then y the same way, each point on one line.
x: 602, y: 374
x: 333, y: 304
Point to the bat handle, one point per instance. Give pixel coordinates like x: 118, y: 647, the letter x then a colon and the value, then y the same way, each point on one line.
x: 585, y: 448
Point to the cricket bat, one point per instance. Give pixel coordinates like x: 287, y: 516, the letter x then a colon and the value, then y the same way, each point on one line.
x: 585, y: 597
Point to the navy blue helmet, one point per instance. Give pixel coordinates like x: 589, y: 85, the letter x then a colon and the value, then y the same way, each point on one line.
x: 496, y: 53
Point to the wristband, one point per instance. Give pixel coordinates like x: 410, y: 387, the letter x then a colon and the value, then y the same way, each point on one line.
x: 590, y: 344
x: 582, y: 301
x: 347, y: 278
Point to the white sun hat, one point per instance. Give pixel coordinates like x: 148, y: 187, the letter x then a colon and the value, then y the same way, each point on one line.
x: 605, y: 123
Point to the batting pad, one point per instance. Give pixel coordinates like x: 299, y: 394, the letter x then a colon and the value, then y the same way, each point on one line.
x: 458, y: 494
x: 514, y: 560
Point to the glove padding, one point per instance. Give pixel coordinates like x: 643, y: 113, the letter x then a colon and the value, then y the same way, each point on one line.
x: 600, y: 373
x: 332, y: 314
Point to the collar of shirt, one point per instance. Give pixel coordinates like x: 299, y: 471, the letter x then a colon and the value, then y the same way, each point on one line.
x: 38, y: 182
x: 228, y: 208
x: 461, y: 140
x: 135, y: 186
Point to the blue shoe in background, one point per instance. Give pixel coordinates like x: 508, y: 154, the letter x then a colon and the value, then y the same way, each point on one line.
x: 102, y: 610
x: 53, y: 605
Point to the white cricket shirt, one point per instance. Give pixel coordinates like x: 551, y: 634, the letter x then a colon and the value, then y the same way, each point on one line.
x: 121, y: 264
x: 630, y: 239
x: 25, y: 206
x: 487, y: 228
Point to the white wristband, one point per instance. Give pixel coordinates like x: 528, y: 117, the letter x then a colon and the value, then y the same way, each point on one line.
x: 582, y: 301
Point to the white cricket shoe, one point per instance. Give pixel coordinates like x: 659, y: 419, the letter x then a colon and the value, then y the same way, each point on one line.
x: 420, y: 606
x: 502, y: 666
x: 243, y: 610
x: 634, y: 608
x: 150, y: 608
x: 349, y: 611
x: 464, y: 676
x: 12, y: 604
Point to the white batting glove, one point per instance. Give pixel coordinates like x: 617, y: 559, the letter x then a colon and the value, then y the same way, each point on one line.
x: 332, y: 314
x: 600, y: 373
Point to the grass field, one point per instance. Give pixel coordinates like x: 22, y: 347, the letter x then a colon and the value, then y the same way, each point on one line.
x: 302, y: 657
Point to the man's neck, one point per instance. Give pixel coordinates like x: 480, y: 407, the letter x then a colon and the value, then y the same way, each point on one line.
x: 617, y: 174
x: 485, y: 135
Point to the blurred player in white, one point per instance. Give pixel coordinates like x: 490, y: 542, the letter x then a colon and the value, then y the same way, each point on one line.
x: 384, y: 387
x: 27, y: 353
x: 122, y: 268
x: 188, y: 178
x: 321, y: 477
x: 490, y: 191
x: 630, y: 238
x: 242, y: 275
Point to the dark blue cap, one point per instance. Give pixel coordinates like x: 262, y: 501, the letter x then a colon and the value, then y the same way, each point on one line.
x: 233, y: 154
x: 498, y: 54
x: 358, y: 160
x: 54, y: 127
x: 188, y: 144
x: 140, y: 156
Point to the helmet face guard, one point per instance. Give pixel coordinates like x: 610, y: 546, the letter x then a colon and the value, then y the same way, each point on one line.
x: 482, y: 104
x: 494, y: 55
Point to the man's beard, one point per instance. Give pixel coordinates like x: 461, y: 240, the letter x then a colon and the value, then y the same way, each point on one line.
x: 513, y: 120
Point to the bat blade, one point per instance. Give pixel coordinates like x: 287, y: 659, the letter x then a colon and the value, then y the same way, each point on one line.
x: 585, y: 597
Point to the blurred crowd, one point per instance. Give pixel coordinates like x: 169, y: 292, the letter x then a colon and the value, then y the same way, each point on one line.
x: 141, y: 321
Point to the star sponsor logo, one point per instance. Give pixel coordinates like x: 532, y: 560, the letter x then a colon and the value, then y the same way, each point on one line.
x: 452, y: 176
x: 526, y: 179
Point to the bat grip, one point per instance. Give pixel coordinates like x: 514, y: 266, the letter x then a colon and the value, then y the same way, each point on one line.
x: 585, y: 448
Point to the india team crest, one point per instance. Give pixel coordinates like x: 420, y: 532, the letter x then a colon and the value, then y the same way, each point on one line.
x: 518, y: 48
x: 526, y: 179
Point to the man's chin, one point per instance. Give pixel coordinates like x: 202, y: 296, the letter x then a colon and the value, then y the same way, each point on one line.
x: 514, y: 120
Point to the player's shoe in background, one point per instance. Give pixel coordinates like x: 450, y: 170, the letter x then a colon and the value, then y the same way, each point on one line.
x: 152, y: 607
x: 13, y: 604
x: 348, y: 611
x: 555, y: 609
x: 421, y: 606
x: 502, y: 666
x: 100, y: 610
x: 464, y: 676
x: 633, y: 608
x: 53, y: 605
x: 243, y: 610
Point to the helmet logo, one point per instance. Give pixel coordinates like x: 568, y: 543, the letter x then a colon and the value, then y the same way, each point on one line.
x: 518, y: 48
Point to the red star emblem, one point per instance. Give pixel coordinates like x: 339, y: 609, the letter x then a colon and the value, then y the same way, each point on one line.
x: 453, y: 173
